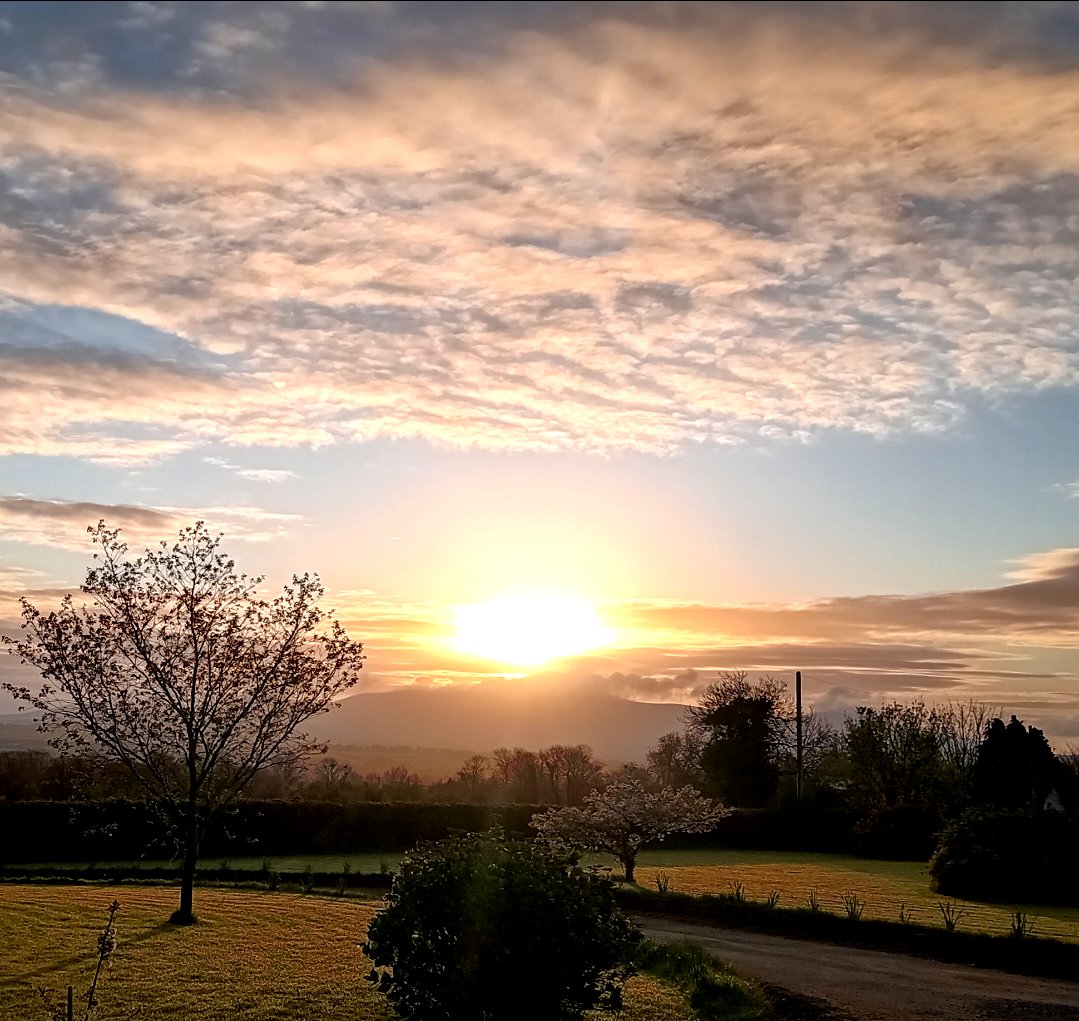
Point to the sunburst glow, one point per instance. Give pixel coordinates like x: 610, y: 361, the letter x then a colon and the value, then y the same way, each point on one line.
x: 529, y: 629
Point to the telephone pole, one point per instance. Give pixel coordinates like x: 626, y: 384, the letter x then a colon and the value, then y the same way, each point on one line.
x: 798, y: 735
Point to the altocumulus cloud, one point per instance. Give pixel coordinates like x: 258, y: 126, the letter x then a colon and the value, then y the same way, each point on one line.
x: 63, y: 523
x: 601, y: 227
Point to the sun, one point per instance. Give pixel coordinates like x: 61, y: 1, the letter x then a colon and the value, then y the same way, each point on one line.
x: 530, y: 628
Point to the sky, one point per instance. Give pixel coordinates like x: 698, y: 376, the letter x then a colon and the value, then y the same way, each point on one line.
x: 753, y: 326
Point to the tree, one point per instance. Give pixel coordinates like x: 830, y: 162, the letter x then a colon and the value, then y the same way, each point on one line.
x: 895, y: 756
x: 623, y: 817
x: 1015, y: 768
x: 518, y: 770
x: 744, y: 725
x: 182, y: 673
x: 332, y: 780
x: 572, y: 771
x: 480, y: 928
x: 675, y: 759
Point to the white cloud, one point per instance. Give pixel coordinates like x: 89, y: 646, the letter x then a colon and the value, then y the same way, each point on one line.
x: 254, y: 474
x: 624, y: 236
x: 64, y: 524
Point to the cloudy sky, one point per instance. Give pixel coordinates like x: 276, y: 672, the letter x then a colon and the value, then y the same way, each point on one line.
x: 755, y: 325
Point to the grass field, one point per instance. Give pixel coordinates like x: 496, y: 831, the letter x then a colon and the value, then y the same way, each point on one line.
x: 253, y: 956
x: 883, y: 885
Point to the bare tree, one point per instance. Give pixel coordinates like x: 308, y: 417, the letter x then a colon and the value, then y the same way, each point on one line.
x: 675, y: 759
x: 518, y: 770
x: 475, y: 771
x: 572, y: 771
x: 182, y: 673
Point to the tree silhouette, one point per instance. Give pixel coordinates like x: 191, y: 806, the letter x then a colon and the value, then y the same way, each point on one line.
x: 744, y: 728
x: 1016, y: 767
x: 179, y: 671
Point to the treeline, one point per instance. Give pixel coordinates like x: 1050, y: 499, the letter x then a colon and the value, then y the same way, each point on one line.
x: 983, y: 797
x: 558, y: 775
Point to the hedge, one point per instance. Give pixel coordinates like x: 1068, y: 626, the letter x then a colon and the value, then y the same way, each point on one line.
x: 125, y: 830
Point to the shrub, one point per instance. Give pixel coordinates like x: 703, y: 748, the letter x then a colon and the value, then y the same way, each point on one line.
x: 899, y: 833
x: 480, y: 927
x: 1008, y: 856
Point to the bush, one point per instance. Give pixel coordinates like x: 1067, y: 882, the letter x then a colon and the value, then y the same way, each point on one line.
x: 899, y: 833
x: 1008, y: 856
x: 481, y: 928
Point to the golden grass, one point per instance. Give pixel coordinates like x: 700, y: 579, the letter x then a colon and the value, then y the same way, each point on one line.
x: 883, y: 886
x: 253, y: 956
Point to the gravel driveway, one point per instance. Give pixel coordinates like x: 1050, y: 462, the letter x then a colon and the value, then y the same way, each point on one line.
x: 871, y: 985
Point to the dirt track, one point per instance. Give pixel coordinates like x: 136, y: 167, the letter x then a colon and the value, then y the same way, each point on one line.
x: 870, y: 985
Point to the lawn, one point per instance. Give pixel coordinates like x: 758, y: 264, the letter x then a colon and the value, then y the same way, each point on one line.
x: 883, y: 885
x: 253, y: 956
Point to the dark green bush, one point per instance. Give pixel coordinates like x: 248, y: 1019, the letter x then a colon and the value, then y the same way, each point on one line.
x: 481, y: 928
x: 898, y: 833
x: 1014, y: 857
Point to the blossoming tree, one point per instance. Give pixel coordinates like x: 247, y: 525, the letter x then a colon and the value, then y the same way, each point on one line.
x: 624, y: 816
x: 182, y: 673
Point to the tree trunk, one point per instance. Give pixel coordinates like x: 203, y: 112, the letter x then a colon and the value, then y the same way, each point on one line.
x: 185, y: 914
x: 628, y: 861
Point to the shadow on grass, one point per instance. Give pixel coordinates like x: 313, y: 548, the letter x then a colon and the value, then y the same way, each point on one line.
x: 88, y: 958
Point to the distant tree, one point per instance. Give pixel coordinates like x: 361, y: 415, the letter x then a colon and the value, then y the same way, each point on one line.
x: 281, y: 781
x: 912, y: 754
x: 571, y: 772
x: 1016, y: 768
x: 475, y: 770
x: 623, y: 817
x: 397, y: 783
x: 744, y: 727
x: 332, y: 780
x: 675, y: 759
x: 630, y: 771
x: 519, y: 772
x: 183, y: 674
x: 895, y: 756
x: 22, y: 774
x: 480, y: 928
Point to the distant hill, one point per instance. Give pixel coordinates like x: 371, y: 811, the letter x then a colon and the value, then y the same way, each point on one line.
x: 479, y: 718
x: 489, y: 716
x: 18, y: 732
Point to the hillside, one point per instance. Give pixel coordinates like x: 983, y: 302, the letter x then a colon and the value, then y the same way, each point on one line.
x: 486, y: 717
x: 477, y: 719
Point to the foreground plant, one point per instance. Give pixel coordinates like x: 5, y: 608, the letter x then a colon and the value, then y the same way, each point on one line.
x: 106, y: 944
x: 481, y: 928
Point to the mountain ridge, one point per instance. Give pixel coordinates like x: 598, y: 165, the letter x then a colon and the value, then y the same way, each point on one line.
x: 480, y: 717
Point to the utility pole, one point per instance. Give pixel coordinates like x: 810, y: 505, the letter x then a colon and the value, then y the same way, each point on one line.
x: 798, y: 734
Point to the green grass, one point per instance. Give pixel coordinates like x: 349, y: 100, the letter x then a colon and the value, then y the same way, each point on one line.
x: 252, y: 957
x: 358, y: 861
